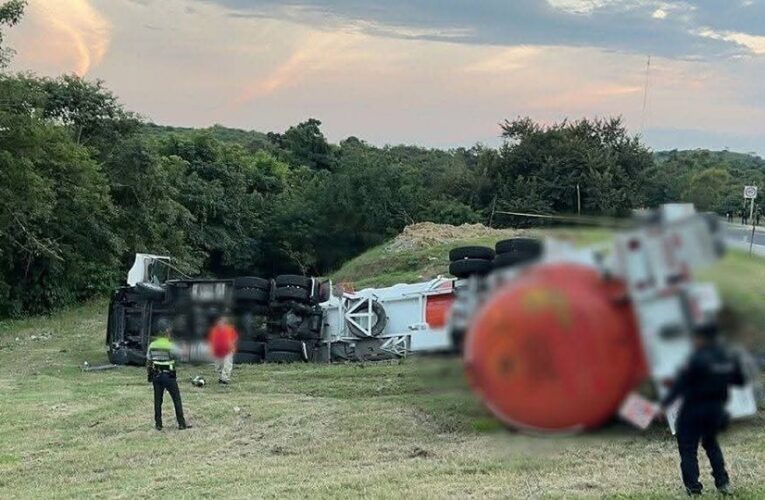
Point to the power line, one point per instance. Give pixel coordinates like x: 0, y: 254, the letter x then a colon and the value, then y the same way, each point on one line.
x: 645, y: 94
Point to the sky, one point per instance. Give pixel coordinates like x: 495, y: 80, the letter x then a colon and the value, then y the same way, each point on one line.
x: 440, y: 73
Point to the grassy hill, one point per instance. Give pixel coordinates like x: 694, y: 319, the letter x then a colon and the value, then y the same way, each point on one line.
x: 396, y: 429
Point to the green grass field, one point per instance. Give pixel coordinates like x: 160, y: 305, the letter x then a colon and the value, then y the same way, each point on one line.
x: 399, y: 429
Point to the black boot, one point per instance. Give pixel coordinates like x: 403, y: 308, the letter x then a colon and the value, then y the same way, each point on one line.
x: 725, y: 489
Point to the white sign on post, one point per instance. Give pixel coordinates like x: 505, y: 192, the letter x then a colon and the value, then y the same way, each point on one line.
x: 750, y: 192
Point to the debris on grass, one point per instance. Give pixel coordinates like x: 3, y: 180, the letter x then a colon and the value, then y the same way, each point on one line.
x: 418, y: 452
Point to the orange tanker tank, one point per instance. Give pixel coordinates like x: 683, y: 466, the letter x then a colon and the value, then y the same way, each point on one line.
x: 555, y: 350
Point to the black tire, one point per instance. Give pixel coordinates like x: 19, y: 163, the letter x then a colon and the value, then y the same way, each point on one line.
x: 293, y: 280
x: 283, y: 357
x: 505, y: 260
x: 523, y: 245
x: 252, y: 282
x: 252, y: 307
x: 285, y: 345
x: 126, y: 356
x: 247, y: 358
x: 378, y: 327
x: 257, y: 295
x: 292, y: 293
x: 469, y: 267
x: 250, y: 346
x: 150, y: 291
x: 460, y: 253
x: 116, y: 356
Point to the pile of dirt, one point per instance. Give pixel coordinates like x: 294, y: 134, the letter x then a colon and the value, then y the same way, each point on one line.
x: 425, y: 234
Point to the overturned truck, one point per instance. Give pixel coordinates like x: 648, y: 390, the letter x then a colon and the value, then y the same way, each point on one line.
x: 286, y: 319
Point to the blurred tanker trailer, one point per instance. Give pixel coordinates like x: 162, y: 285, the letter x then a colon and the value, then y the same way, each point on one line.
x: 558, y: 338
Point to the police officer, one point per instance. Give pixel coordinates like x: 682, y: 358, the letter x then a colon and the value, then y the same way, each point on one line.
x: 703, y: 387
x: 161, y: 372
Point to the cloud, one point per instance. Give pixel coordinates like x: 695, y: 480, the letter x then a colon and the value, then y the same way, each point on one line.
x: 509, y: 59
x: 753, y: 43
x: 313, y: 53
x: 666, y: 28
x: 69, y: 35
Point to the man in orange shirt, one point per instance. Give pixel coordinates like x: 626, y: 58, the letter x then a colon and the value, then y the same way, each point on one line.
x: 223, y: 339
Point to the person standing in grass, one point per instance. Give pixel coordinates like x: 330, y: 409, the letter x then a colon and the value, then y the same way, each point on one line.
x: 160, y: 363
x: 223, y: 339
x: 703, y: 386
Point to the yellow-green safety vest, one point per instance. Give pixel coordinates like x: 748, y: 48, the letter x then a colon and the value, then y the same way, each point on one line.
x: 159, y: 354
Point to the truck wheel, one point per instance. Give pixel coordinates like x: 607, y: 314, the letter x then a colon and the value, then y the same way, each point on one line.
x: 292, y: 293
x: 117, y: 356
x: 286, y: 345
x: 252, y: 282
x: 250, y: 347
x: 254, y: 294
x: 521, y: 245
x: 126, y: 356
x: 473, y: 252
x: 293, y: 280
x: 468, y: 267
x: 283, y: 357
x: 247, y: 358
x: 251, y: 307
x: 505, y: 260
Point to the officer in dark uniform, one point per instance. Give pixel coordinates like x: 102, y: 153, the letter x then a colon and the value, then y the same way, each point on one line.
x: 703, y: 386
x: 161, y: 373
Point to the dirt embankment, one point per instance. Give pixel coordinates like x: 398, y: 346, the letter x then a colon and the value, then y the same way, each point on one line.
x: 425, y: 234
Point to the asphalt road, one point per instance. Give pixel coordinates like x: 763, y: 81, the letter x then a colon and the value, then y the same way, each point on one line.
x: 739, y: 236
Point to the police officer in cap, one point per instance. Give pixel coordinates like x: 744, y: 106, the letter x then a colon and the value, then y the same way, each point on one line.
x: 161, y: 372
x: 703, y: 386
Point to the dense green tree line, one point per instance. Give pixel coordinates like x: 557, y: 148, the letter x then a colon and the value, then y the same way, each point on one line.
x: 85, y: 184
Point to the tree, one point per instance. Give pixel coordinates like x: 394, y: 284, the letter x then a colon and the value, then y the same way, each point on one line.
x: 10, y: 14
x: 227, y: 192
x: 88, y: 109
x: 540, y: 167
x: 57, y: 245
x: 149, y: 218
x: 708, y: 188
x: 305, y: 144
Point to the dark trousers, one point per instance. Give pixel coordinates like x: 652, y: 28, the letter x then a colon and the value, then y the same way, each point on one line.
x: 700, y: 423
x: 165, y: 381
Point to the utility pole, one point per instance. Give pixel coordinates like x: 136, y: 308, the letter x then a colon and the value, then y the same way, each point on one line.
x: 578, y: 200
x: 751, y: 218
x: 750, y: 192
x: 493, y: 208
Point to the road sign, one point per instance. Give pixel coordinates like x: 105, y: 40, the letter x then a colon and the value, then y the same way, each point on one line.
x: 750, y: 192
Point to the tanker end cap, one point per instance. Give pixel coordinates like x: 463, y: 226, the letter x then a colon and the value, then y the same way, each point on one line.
x: 553, y: 351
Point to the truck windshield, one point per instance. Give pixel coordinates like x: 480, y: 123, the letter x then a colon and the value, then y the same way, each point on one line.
x: 158, y: 272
